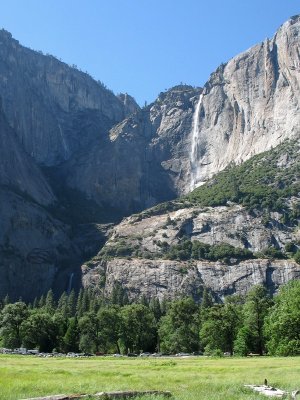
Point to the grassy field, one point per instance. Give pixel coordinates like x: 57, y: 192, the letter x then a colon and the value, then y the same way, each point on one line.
x: 187, y: 378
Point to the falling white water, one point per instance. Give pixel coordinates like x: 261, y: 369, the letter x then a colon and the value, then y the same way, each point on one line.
x: 194, y: 148
x: 70, y: 282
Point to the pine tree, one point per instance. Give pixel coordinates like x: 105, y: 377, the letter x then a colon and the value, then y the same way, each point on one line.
x: 41, y: 302
x: 154, y: 306
x: 6, y: 300
x: 71, y: 338
x: 85, y: 305
x: 63, y: 306
x: 72, y: 303
x: 49, y: 302
x: 79, y: 304
x: 251, y: 336
x: 143, y: 300
x: 35, y: 303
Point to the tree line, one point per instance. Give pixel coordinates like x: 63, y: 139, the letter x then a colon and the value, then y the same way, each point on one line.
x: 256, y: 323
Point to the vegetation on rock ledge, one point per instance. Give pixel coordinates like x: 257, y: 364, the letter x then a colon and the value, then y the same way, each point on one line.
x: 264, y: 182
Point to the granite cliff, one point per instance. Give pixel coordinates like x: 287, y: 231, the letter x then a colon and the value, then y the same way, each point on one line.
x: 248, y: 105
x: 54, y: 109
x: 33, y: 244
x: 250, y: 235
x: 75, y: 156
x: 49, y: 112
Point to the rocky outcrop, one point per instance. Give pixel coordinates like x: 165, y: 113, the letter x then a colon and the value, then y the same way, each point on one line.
x: 165, y: 279
x: 155, y: 275
x: 231, y: 224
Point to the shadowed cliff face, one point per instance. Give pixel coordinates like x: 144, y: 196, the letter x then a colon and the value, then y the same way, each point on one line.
x: 36, y: 252
x: 54, y: 109
x: 73, y: 154
x: 35, y: 249
x: 18, y: 171
x: 140, y: 165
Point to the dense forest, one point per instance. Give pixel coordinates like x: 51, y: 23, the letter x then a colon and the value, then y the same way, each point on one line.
x: 256, y: 323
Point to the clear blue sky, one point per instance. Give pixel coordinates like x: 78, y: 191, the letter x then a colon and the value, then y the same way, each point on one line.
x: 143, y: 47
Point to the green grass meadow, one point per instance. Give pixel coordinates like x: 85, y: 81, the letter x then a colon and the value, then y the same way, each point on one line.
x: 187, y: 378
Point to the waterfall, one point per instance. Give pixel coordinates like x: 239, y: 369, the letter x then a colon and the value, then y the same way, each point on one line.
x: 70, y: 283
x: 194, y: 147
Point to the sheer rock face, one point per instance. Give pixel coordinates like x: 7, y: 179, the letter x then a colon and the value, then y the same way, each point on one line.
x: 35, y: 249
x: 49, y: 112
x: 130, y: 158
x: 141, y: 163
x: 63, y: 115
x: 170, y: 279
x: 33, y: 245
x: 249, y: 104
x: 18, y: 171
x: 54, y: 109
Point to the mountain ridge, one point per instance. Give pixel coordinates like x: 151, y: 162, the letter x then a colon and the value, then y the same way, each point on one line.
x: 95, y: 157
